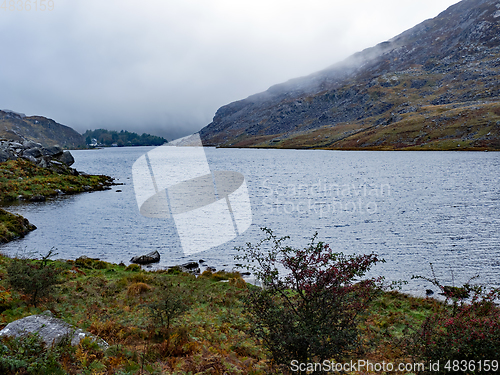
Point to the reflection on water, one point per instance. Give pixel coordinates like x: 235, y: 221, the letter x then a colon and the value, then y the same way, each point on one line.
x: 412, y: 208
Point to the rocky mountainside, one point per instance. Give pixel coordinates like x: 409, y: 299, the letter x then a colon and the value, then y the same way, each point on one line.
x: 435, y: 86
x: 18, y: 127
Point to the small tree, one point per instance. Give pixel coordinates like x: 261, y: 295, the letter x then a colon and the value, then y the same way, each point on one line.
x: 34, y: 278
x: 309, y: 306
x: 173, y: 302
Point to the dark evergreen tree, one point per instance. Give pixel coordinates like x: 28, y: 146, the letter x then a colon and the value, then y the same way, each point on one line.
x: 122, y: 138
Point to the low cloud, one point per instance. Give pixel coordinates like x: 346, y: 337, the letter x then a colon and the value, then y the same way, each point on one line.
x: 166, y: 66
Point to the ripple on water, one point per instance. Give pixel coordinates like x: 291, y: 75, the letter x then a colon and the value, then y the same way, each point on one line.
x: 414, y: 208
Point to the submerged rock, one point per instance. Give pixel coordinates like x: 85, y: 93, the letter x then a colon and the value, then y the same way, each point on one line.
x: 152, y: 257
x: 50, y: 330
x: 191, y: 267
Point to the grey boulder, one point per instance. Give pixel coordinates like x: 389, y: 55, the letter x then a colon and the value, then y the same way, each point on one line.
x: 33, y: 152
x: 66, y: 158
x: 30, y: 144
x: 50, y: 330
x: 5, y: 155
x: 190, y: 265
x: 52, y: 151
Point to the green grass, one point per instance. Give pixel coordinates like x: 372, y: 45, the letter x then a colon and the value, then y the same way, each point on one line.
x: 22, y: 179
x: 13, y: 226
x: 113, y: 304
x: 212, y: 337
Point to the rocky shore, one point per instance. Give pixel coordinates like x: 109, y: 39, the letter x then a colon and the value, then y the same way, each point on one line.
x: 31, y: 172
x: 53, y: 157
x: 192, y: 267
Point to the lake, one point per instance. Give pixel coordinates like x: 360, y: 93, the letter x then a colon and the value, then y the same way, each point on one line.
x: 411, y: 208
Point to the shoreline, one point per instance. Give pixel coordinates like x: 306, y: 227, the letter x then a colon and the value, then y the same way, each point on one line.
x: 385, y: 149
x: 23, y: 181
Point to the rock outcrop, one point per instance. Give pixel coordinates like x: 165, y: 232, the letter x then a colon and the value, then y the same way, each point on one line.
x: 50, y: 330
x: 47, y: 157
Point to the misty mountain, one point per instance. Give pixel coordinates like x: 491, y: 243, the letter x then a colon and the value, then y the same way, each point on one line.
x: 435, y: 86
x: 17, y: 126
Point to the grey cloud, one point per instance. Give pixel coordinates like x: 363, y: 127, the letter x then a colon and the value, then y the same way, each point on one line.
x: 166, y: 66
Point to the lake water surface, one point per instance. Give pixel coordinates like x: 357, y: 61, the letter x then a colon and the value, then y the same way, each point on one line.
x: 411, y: 208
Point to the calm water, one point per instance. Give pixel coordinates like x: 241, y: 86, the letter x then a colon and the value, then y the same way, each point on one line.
x: 411, y: 208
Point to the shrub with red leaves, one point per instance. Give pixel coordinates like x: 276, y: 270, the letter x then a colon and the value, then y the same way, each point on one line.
x: 463, y: 336
x: 311, y: 299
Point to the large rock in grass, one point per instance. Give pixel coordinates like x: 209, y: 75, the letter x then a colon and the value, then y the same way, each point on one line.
x: 50, y: 330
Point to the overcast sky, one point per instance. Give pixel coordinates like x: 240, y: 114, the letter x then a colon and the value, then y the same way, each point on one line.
x: 166, y: 66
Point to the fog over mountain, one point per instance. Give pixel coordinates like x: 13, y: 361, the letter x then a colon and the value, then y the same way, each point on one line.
x: 165, y: 67
x: 434, y: 86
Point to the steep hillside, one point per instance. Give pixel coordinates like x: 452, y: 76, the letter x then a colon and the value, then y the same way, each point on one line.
x: 435, y: 86
x: 17, y: 126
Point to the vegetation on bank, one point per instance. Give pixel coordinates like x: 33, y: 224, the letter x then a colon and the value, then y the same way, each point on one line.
x: 121, y: 305
x: 103, y: 137
x: 13, y: 226
x: 169, y: 322
x: 315, y: 299
x: 22, y: 180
